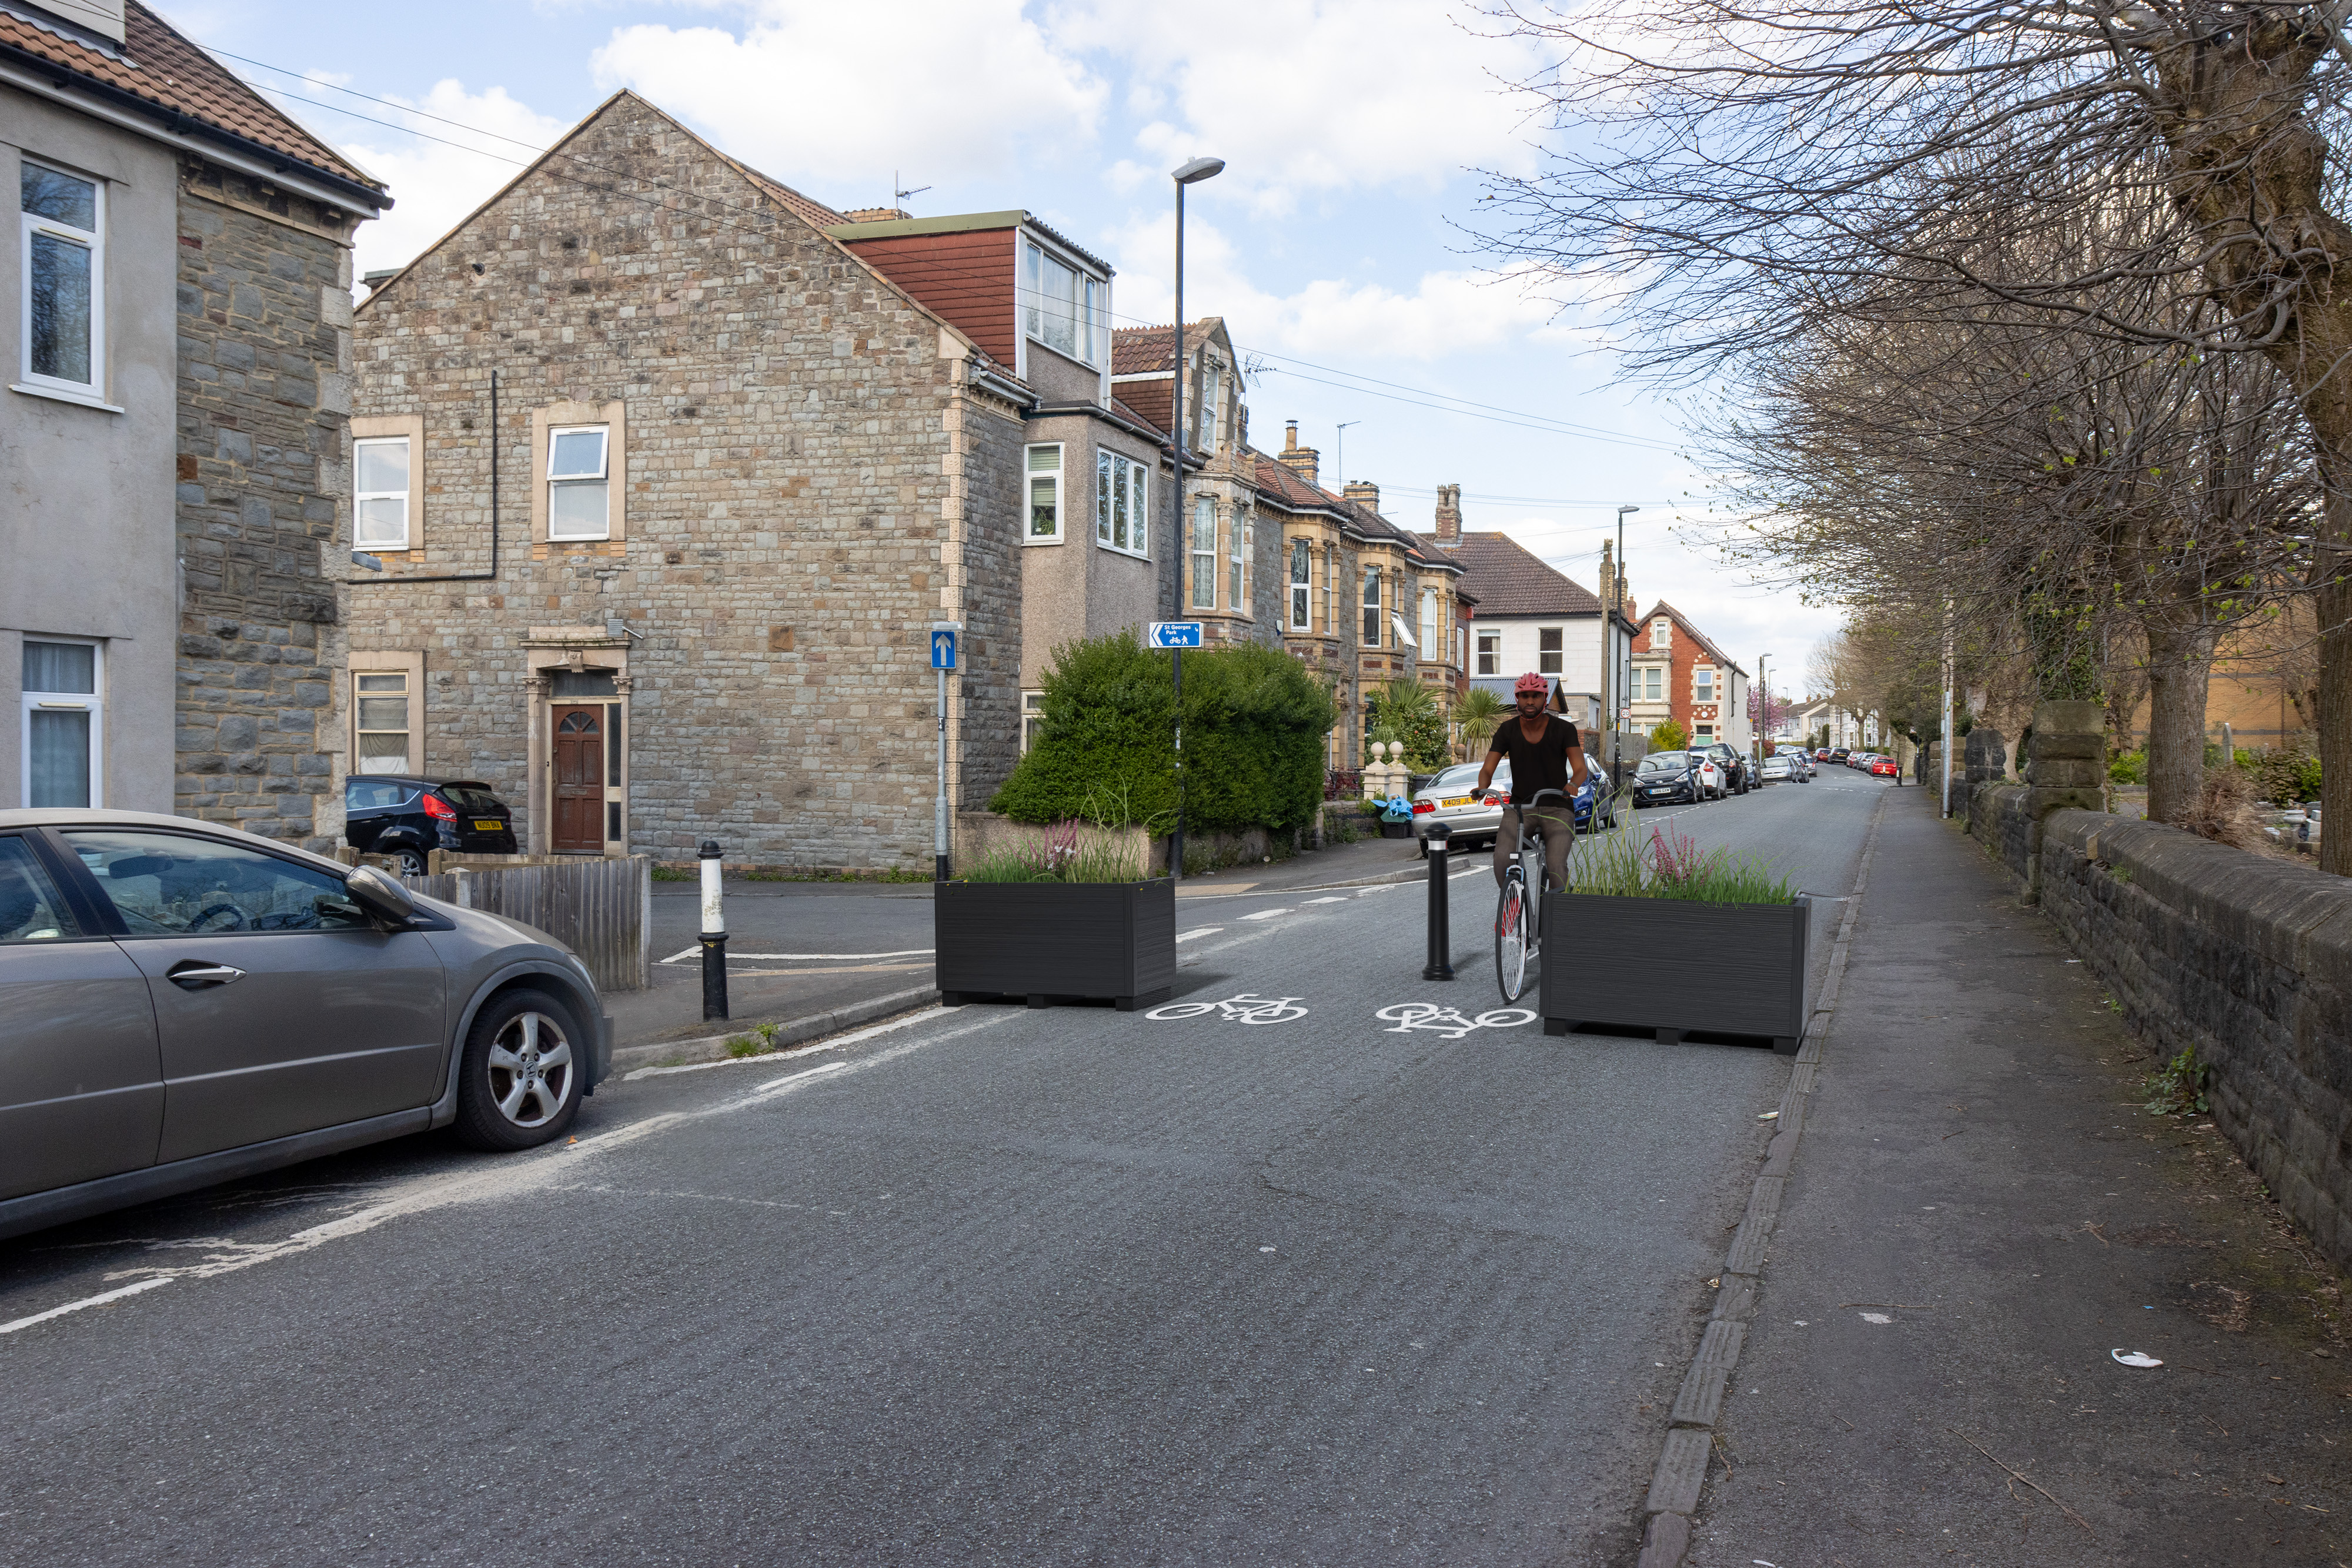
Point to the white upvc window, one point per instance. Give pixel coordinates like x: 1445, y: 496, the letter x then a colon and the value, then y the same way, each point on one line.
x: 1662, y: 632
x: 1032, y: 719
x: 1371, y: 607
x: 579, y: 490
x: 1045, y: 494
x: 1703, y: 684
x: 1063, y: 308
x: 380, y: 722
x: 1122, y: 488
x: 1430, y: 641
x: 62, y: 731
x: 1490, y: 653
x: 380, y: 484
x: 1330, y: 576
x: 1211, y: 408
x: 62, y: 258
x: 1550, y: 650
x: 1302, y: 586
x: 1236, y: 535
x: 1204, y: 553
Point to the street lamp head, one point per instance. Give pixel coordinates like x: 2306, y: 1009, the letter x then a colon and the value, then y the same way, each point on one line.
x: 1622, y: 511
x: 1200, y: 169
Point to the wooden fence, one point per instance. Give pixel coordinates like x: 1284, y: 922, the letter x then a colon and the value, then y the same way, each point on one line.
x: 601, y: 909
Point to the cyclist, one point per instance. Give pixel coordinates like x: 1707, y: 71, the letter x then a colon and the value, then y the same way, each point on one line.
x: 1546, y: 754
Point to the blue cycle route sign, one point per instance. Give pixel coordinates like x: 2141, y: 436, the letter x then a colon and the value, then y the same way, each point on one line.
x: 1175, y: 634
x: 943, y: 649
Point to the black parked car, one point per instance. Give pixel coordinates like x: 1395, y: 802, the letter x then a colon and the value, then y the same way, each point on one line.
x: 1739, y: 768
x: 394, y: 814
x: 1672, y: 779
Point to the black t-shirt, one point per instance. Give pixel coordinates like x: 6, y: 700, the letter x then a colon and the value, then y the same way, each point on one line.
x: 1536, y: 764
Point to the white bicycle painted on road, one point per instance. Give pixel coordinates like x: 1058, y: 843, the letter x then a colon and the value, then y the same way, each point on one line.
x: 1243, y: 1009
x: 1406, y: 1017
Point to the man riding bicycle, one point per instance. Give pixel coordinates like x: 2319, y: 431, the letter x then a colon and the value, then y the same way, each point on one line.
x: 1546, y: 753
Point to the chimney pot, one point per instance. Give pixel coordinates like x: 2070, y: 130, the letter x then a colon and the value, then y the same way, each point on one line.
x: 1449, y: 514
x: 1364, y: 492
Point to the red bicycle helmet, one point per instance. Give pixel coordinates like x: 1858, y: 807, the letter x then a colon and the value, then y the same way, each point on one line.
x: 1531, y: 681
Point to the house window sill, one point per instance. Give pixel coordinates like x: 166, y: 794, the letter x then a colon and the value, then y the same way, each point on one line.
x: 61, y: 395
x: 1054, y: 540
x: 1120, y: 550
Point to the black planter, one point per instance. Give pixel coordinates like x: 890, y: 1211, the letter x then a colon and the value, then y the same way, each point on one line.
x: 1677, y: 967
x: 1054, y: 941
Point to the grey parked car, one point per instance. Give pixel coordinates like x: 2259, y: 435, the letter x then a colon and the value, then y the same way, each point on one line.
x: 185, y: 1004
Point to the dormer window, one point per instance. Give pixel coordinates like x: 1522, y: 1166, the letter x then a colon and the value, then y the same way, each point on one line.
x: 1063, y: 309
x: 1662, y: 632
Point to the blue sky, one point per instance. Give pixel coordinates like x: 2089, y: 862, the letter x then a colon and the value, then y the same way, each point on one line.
x: 1337, y: 245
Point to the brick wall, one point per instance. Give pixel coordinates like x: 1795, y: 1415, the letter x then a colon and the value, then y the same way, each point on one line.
x: 264, y: 398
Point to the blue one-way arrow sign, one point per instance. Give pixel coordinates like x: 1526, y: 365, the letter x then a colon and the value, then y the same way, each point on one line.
x: 1175, y: 634
x: 943, y: 649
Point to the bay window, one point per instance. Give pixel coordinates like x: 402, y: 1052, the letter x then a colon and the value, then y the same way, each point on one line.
x: 1120, y: 487
x: 1204, y: 553
x: 1371, y: 607
x: 1235, y: 598
x: 1302, y: 588
x: 1431, y: 646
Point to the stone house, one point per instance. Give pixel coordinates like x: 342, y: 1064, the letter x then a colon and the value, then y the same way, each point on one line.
x: 1678, y: 672
x: 1365, y: 601
x: 688, y: 464
x: 179, y: 354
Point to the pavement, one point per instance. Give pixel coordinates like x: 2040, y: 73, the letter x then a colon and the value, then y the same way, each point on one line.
x: 1321, y: 1264
x: 1980, y: 1213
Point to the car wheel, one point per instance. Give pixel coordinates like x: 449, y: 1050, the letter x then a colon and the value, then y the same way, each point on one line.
x: 520, y: 1084
x: 412, y: 862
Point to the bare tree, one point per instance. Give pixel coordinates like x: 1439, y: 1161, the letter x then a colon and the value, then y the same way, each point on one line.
x: 1740, y: 167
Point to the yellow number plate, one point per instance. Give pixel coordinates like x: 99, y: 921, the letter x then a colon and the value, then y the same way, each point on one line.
x: 1457, y: 800
x: 487, y: 827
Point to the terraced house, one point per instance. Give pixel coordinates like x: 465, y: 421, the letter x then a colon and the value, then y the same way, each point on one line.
x: 177, y: 337
x: 670, y: 469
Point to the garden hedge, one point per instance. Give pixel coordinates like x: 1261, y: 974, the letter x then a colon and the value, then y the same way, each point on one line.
x: 1255, y: 729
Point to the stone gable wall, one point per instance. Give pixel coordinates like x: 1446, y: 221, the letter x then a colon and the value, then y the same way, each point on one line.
x: 264, y: 382
x: 793, y: 469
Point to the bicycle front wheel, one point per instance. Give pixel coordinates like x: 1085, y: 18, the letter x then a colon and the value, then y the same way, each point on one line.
x: 1511, y: 940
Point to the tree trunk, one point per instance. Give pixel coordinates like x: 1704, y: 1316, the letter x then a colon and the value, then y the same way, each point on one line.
x: 2180, y: 664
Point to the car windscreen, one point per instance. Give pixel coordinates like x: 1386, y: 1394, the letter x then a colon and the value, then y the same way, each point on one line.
x: 468, y: 796
x: 1663, y: 762
x: 1456, y: 779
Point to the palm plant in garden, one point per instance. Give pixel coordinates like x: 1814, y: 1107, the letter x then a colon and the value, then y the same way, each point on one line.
x: 1478, y: 713
x: 1407, y: 711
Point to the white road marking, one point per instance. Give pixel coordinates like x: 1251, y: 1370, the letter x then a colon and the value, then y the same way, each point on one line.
x: 511, y: 1177
x: 1265, y: 914
x: 1201, y: 931
x: 732, y: 957
x: 1335, y: 899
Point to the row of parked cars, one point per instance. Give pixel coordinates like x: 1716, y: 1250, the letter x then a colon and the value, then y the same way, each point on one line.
x: 1878, y: 764
x: 1688, y: 777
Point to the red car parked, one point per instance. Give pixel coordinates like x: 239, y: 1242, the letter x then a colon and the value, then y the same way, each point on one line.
x: 1885, y: 767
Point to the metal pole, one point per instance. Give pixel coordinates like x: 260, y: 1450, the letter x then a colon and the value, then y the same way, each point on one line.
x: 1439, y: 963
x: 940, y: 807
x: 714, y: 934
x: 1183, y: 541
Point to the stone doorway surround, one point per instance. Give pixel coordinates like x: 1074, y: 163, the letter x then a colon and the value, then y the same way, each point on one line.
x: 547, y: 652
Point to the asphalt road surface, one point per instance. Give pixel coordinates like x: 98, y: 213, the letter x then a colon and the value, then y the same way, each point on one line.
x: 984, y: 1285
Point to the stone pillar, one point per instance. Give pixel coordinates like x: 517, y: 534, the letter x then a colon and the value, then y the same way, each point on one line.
x: 537, y: 796
x: 2067, y: 769
x: 1987, y: 756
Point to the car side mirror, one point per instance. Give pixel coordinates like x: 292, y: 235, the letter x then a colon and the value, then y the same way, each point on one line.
x: 383, y: 899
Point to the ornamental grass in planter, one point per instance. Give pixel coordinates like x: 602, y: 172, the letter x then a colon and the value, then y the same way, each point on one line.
x: 1661, y: 935
x: 1068, y: 916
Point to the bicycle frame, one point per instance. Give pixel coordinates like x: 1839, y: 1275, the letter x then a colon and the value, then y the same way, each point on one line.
x: 1530, y: 853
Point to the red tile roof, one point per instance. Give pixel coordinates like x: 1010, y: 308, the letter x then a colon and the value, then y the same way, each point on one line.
x: 161, y: 68
x: 1140, y: 351
x: 1662, y: 608
x: 807, y: 209
x: 1508, y: 579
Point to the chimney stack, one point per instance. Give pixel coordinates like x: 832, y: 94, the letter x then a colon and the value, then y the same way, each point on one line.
x: 1449, y: 514
x: 1608, y: 594
x: 1300, y: 460
x: 1364, y: 493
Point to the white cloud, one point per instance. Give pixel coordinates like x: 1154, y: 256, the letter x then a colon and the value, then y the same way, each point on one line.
x: 841, y: 95
x: 1445, y: 313
x: 1307, y: 97
x: 434, y: 184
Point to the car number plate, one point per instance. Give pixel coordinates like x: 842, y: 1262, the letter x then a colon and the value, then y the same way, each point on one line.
x: 488, y: 827
x: 1457, y: 800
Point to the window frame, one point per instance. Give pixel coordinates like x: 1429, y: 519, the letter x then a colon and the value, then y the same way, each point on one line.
x: 112, y: 912
x: 1058, y: 478
x: 1557, y: 654
x: 408, y: 698
x: 1490, y: 653
x: 1236, y: 589
x: 1302, y: 584
x: 407, y: 503
x: 91, y: 703
x: 1204, y: 560
x: 1109, y: 466
x: 1662, y: 634
x: 91, y: 240
x: 1432, y: 633
x: 603, y: 479
x: 1372, y: 608
x: 1088, y: 304
x: 1704, y: 686
x: 1032, y: 718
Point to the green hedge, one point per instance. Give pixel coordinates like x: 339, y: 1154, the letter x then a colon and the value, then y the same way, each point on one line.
x: 1255, y: 729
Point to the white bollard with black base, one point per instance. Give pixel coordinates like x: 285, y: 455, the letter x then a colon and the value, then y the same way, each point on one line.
x: 714, y: 935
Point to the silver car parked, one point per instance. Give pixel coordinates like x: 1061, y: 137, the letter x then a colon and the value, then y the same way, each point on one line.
x: 182, y: 1004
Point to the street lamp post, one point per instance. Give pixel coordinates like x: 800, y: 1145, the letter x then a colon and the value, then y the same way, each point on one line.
x: 1192, y: 173
x: 1613, y: 696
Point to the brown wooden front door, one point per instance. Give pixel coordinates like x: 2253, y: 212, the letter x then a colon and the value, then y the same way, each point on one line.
x: 578, y: 804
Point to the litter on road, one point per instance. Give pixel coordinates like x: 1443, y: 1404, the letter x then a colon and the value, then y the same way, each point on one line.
x: 2134, y: 1358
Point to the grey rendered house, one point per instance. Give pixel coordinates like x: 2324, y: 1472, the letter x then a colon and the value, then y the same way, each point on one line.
x: 173, y: 447
x: 671, y: 470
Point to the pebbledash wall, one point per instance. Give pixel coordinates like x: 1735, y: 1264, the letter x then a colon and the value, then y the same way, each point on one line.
x: 2244, y: 960
x: 808, y: 468
x: 265, y: 391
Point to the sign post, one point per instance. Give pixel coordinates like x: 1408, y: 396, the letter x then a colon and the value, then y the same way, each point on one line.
x: 1177, y: 635
x: 944, y: 635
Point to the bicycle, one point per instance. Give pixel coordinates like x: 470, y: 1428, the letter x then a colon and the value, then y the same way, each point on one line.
x: 1519, y: 919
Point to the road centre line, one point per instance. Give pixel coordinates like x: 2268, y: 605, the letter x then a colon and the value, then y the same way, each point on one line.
x: 510, y: 1178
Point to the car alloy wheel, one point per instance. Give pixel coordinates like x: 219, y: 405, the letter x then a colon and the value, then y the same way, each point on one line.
x: 530, y: 1066
x: 521, y: 1080
x: 412, y: 862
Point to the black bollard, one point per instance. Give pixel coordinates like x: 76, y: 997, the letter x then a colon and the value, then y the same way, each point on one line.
x: 714, y: 935
x: 1441, y: 927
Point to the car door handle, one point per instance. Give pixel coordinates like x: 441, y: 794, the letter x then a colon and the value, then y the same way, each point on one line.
x: 193, y: 974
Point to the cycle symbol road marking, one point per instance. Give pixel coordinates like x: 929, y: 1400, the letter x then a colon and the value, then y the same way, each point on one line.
x: 1243, y: 1009
x: 1406, y: 1017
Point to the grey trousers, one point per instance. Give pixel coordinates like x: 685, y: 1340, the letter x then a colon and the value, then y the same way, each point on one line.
x: 1555, y: 825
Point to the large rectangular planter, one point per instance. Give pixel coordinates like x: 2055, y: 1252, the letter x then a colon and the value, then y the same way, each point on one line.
x: 1055, y: 941
x: 1675, y: 967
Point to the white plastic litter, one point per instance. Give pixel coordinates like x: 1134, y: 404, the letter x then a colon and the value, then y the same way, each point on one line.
x: 2134, y: 1358
x: 1876, y: 1318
